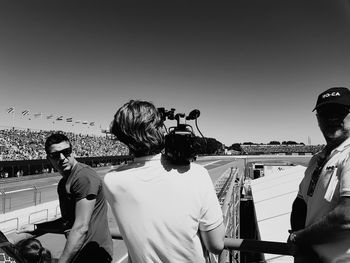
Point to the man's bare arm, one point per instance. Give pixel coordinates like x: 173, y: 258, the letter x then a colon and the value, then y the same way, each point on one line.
x: 214, y: 239
x: 77, y: 235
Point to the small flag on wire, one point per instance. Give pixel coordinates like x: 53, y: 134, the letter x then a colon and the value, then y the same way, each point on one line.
x: 25, y: 112
x: 10, y: 110
x: 78, y: 121
x: 69, y: 120
x: 38, y: 115
x: 84, y: 122
x: 92, y: 123
x: 60, y: 118
x: 49, y: 117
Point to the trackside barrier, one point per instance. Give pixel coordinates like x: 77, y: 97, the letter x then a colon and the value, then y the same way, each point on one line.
x: 11, y: 229
x: 6, y: 196
x: 39, y: 220
x: 34, y: 195
x: 231, y: 212
x: 3, y: 200
x: 58, y: 211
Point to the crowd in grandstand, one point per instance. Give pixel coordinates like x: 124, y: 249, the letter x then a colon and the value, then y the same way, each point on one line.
x: 27, y: 144
x: 280, y: 149
x: 17, y: 144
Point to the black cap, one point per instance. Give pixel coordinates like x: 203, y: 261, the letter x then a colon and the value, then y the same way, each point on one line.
x: 336, y: 95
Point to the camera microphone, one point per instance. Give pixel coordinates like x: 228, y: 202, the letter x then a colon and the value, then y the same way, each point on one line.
x: 193, y: 115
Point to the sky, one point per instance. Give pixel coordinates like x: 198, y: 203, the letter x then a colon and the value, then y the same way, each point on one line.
x: 254, y: 68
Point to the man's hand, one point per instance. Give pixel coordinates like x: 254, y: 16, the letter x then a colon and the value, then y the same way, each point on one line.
x: 302, y: 253
x: 293, y: 248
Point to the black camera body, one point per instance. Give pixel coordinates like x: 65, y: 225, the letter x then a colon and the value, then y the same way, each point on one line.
x: 181, y: 145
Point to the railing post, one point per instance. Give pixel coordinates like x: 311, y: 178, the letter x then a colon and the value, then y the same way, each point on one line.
x: 39, y: 196
x: 57, y: 207
x: 10, y: 203
x: 6, y: 230
x: 3, y: 195
x: 37, y: 212
x: 230, y: 210
x: 35, y: 194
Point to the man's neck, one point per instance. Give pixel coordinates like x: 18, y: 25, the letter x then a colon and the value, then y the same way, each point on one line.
x: 332, y: 144
x: 68, y: 173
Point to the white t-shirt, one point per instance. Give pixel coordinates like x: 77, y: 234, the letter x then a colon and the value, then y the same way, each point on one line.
x: 333, y: 183
x: 160, y: 207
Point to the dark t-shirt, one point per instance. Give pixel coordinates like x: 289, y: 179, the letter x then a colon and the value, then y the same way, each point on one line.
x: 83, y: 183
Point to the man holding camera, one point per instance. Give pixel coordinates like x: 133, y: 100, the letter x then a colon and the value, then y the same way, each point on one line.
x: 83, y: 207
x: 164, y: 211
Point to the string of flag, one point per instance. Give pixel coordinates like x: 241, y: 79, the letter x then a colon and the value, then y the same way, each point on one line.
x: 51, y: 116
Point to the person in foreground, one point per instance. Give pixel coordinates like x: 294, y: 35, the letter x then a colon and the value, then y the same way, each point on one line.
x: 165, y: 212
x: 83, y: 207
x: 33, y: 252
x: 320, y: 217
x: 23, y: 250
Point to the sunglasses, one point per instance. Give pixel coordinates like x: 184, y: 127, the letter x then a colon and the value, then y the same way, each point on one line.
x: 333, y: 111
x: 56, y: 155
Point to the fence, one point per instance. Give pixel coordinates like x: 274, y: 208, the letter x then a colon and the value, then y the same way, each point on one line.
x: 30, y: 196
x: 231, y: 213
x: 233, y: 244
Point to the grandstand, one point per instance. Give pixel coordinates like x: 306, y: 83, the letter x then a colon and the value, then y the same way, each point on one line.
x: 280, y: 149
x: 28, y: 144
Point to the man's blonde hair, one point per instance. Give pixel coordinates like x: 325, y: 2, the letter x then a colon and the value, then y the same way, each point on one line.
x: 138, y: 124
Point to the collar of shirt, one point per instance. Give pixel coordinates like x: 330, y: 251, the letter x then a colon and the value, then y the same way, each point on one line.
x: 148, y: 158
x: 345, y: 144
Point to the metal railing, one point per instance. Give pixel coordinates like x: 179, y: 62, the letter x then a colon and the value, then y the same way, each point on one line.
x: 41, y: 219
x: 231, y: 213
x: 16, y: 219
x: 21, y: 198
x: 233, y: 244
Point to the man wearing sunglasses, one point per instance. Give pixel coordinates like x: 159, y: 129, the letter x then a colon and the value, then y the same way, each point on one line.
x: 320, y: 218
x: 83, y: 207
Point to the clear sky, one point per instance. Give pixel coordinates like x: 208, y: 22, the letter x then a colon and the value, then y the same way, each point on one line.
x: 254, y: 68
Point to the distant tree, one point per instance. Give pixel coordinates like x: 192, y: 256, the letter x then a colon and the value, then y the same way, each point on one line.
x: 301, y: 143
x: 201, y: 145
x: 236, y: 147
x: 248, y: 143
x: 274, y: 143
x: 208, y: 146
x: 213, y: 146
x: 289, y: 142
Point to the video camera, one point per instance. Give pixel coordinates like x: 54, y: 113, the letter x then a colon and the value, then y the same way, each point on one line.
x: 181, y: 144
